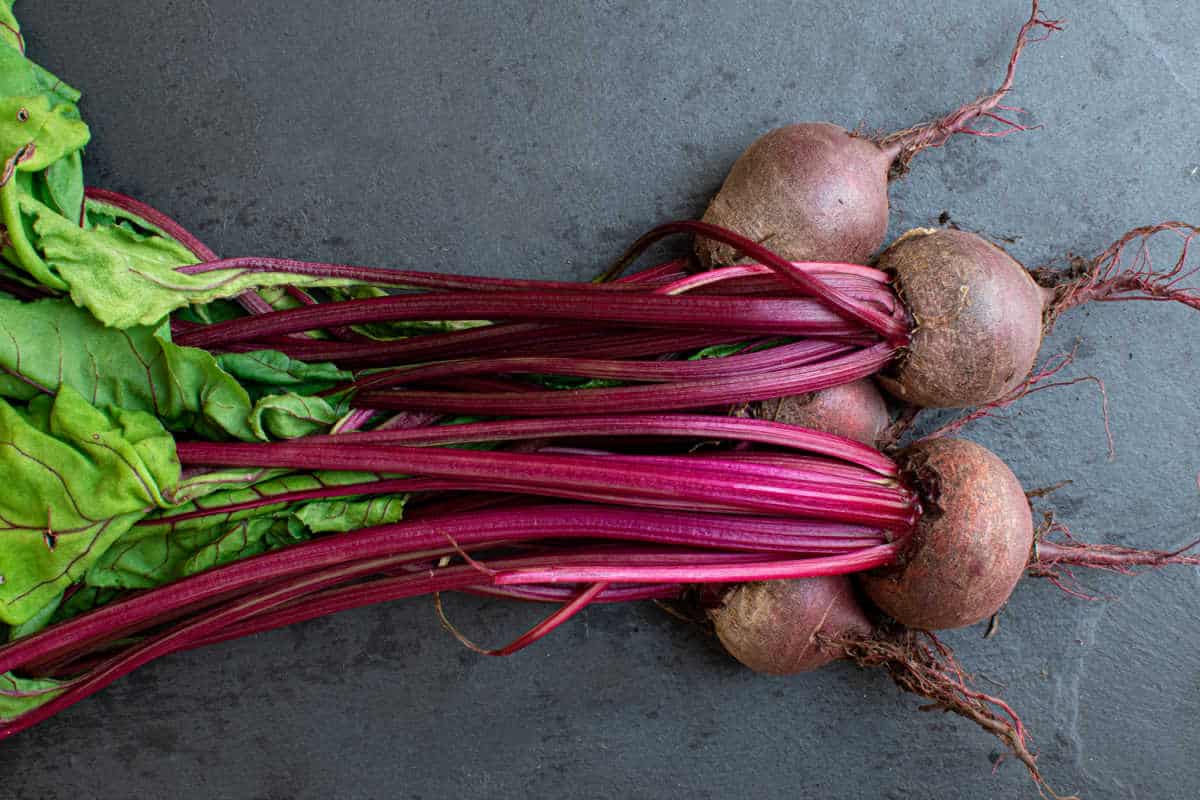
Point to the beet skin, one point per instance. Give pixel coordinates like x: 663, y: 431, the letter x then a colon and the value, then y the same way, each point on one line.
x: 977, y: 319
x: 773, y: 626
x: 855, y: 410
x: 971, y: 544
x: 810, y: 192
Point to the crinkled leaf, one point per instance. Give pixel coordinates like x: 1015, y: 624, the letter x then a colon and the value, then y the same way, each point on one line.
x: 50, y: 343
x: 22, y: 695
x: 127, y: 278
x: 152, y: 553
x: 264, y: 372
x: 153, y: 557
x: 235, y: 490
x: 291, y: 415
x: 41, y: 135
x: 198, y: 484
x: 75, y: 479
x: 339, y: 516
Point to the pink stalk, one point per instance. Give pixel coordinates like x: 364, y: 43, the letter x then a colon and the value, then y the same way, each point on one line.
x: 752, y: 315
x: 828, y: 271
x: 785, y: 569
x: 548, y: 475
x: 693, y: 426
x: 479, y: 577
x: 780, y: 357
x: 641, y: 398
x: 892, y: 329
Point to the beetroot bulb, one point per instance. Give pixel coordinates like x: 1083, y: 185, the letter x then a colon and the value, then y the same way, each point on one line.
x: 979, y: 315
x: 816, y: 191
x: 855, y: 410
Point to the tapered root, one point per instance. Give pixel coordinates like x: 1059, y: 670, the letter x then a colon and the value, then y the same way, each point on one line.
x: 907, y: 143
x: 920, y: 663
x: 1125, y: 271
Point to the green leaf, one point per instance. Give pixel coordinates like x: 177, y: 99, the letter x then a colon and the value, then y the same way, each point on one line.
x: 64, y: 185
x: 340, y: 516
x: 156, y: 552
x: 209, y: 313
x: 84, y: 598
x: 263, y: 372
x: 573, y: 382
x: 51, y: 343
x: 38, y: 621
x: 291, y: 415
x: 21, y: 695
x: 718, y: 351
x: 48, y: 344
x: 155, y: 556
x: 197, y: 486
x: 125, y: 277
x: 75, y: 479
x: 10, y: 29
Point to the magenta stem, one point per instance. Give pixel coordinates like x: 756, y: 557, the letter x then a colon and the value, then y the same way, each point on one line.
x: 533, y: 340
x: 754, y: 315
x: 640, y: 398
x: 696, y: 426
x: 550, y: 475
x: 775, y: 358
x: 779, y: 569
x: 890, y: 328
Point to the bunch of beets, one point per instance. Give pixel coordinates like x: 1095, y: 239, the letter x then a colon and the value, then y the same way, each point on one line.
x: 199, y: 448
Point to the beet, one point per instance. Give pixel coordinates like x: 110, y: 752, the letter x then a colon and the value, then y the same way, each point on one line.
x: 815, y: 191
x: 811, y: 191
x: 971, y: 544
x: 977, y: 319
x: 774, y: 626
x: 855, y: 410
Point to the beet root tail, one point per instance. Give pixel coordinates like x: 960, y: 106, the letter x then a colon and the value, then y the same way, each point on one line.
x: 922, y: 664
x: 903, y: 145
x: 1125, y: 271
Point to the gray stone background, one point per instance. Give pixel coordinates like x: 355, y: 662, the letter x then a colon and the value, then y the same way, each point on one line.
x: 507, y: 138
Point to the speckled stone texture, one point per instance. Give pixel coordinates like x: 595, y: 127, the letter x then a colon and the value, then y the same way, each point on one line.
x: 537, y: 139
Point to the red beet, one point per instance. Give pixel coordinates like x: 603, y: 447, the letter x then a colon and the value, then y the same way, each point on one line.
x: 774, y: 626
x: 815, y: 191
x: 855, y: 410
x: 977, y: 319
x: 971, y: 544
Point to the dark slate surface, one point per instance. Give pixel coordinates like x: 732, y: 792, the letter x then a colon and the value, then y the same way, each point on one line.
x: 537, y: 139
